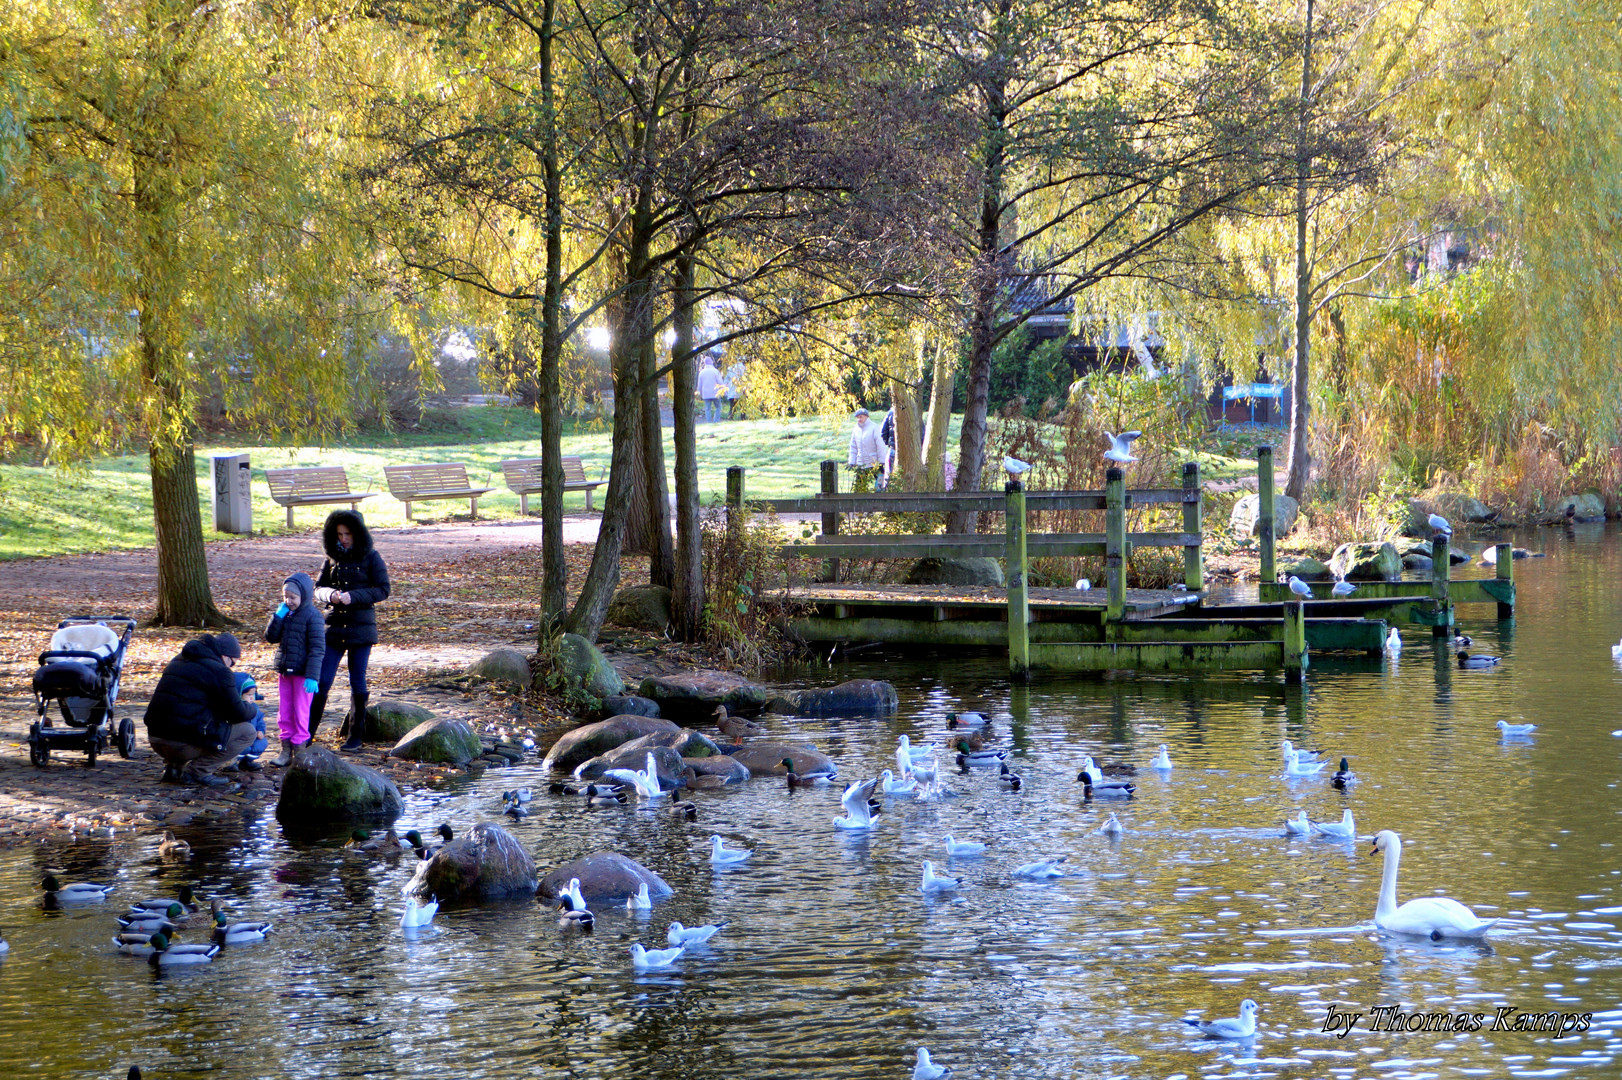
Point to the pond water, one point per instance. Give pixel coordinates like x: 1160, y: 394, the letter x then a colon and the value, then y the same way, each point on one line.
x: 834, y: 965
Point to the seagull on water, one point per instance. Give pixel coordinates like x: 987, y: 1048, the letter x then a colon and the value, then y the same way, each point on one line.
x: 721, y: 855
x: 647, y: 959
x: 858, y: 815
x: 1120, y: 447
x: 1511, y: 731
x: 926, y: 1069
x: 933, y: 883
x: 1241, y: 1027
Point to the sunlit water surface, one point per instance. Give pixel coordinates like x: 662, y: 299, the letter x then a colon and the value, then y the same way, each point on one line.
x: 834, y: 965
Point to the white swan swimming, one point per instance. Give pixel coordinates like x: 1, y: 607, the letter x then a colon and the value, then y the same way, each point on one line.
x: 1040, y: 871
x: 642, y: 901
x: 1294, y: 766
x: 933, y: 883
x: 417, y: 915
x: 926, y: 1069
x: 892, y: 786
x: 957, y: 849
x: 645, y: 959
x: 1162, y: 760
x: 721, y: 855
x: 1229, y: 1027
x: 1337, y: 830
x: 858, y: 815
x: 1298, y: 825
x: 1509, y: 731
x: 1435, y: 917
x: 1111, y: 827
x: 1393, y: 643
x: 691, y: 935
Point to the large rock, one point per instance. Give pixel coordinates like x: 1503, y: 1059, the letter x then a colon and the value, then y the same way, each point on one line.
x: 448, y: 742
x: 604, y: 875
x: 322, y: 788
x: 983, y: 571
x: 1588, y: 507
x: 634, y: 756
x: 1247, y: 511
x: 1307, y: 570
x: 388, y: 720
x: 641, y: 607
x: 599, y: 738
x: 1456, y: 506
x: 766, y: 759
x: 1418, y: 562
x: 585, y: 666
x: 858, y: 697
x: 508, y: 667
x: 692, y: 697
x: 1366, y: 562
x: 628, y: 705
x: 485, y: 864
x: 725, y: 766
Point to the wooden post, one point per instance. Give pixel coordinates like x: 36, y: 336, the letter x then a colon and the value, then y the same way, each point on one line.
x: 1193, y: 558
x: 1505, y: 568
x: 1295, y: 641
x: 1115, y: 543
x: 1264, y: 510
x: 1019, y: 642
x: 735, y: 487
x: 830, y: 522
x: 1441, y: 575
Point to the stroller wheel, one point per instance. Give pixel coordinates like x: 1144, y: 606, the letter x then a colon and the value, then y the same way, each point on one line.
x: 39, y: 751
x: 126, y: 737
x: 92, y: 747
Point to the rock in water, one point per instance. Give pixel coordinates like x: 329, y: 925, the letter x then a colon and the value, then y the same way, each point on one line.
x: 1246, y: 515
x: 321, y: 788
x: 858, y: 697
x: 641, y: 607
x: 691, y: 698
x: 628, y: 705
x: 766, y: 759
x: 590, y: 740
x: 585, y: 666
x: 604, y: 875
x: 634, y: 756
x: 725, y: 766
x: 1366, y: 562
x: 1306, y: 570
x: 387, y: 720
x: 506, y: 666
x: 484, y: 864
x: 976, y: 571
x: 447, y: 742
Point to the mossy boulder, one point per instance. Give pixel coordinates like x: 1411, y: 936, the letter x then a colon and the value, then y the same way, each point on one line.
x: 1307, y: 570
x: 509, y: 667
x: 585, y: 666
x: 447, y: 742
x: 641, y: 607
x: 604, y: 875
x: 321, y: 788
x: 634, y: 756
x: 1245, y: 517
x: 766, y: 759
x: 590, y: 740
x: 485, y: 864
x: 388, y: 720
x: 977, y: 571
x: 1456, y: 506
x: 691, y: 698
x: 725, y: 766
x: 1366, y: 562
x: 857, y: 697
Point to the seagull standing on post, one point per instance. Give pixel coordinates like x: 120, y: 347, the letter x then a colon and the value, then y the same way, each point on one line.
x: 1439, y: 524
x: 1300, y: 588
x: 1015, y: 467
x: 1120, y: 447
x: 1343, y: 588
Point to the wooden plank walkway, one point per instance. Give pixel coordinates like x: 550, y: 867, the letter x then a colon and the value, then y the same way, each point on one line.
x: 988, y: 601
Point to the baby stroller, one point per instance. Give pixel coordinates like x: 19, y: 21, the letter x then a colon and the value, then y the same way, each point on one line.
x: 80, y: 673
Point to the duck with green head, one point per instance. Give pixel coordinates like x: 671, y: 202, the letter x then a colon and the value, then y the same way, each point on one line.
x: 796, y: 780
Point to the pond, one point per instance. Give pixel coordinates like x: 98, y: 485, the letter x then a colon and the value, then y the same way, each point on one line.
x: 833, y: 964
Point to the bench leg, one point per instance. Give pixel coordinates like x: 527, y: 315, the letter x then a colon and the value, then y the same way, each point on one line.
x: 473, y: 509
x: 408, y: 513
x: 523, y: 506
x: 588, y: 500
x: 289, y: 517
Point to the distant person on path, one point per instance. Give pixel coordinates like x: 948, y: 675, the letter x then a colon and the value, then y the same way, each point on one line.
x: 734, y: 386
x: 299, y: 634
x: 353, y: 580
x: 196, y: 720
x: 867, y: 455
x: 887, y: 436
x: 709, y: 388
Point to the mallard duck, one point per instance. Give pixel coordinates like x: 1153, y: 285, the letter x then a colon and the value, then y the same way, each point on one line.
x: 153, y: 922
x: 135, y: 942
x: 574, y: 918
x: 735, y: 727
x: 1480, y: 660
x: 691, y: 779
x: 186, y: 899
x: 796, y: 780
x: 605, y: 796
x: 80, y: 892
x: 238, y: 933
x: 685, y: 810
x: 1462, y: 641
x: 976, y: 741
x: 1107, y: 770
x: 171, y: 848
x: 516, y: 811
x: 1344, y: 776
x: 196, y: 920
x: 978, y: 759
x: 1096, y: 787
x: 966, y: 719
x: 518, y: 795
x: 1009, y: 779
x: 164, y: 953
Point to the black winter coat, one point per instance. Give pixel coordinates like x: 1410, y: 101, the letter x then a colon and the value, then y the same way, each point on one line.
x: 360, y: 572
x: 300, y: 635
x: 196, y: 700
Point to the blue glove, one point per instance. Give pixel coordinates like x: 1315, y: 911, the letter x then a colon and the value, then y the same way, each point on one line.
x: 311, y: 686
x: 282, y: 610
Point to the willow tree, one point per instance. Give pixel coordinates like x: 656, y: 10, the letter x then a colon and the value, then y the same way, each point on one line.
x: 175, y: 190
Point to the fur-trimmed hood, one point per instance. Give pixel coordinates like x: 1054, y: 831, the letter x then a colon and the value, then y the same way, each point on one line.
x: 357, y: 528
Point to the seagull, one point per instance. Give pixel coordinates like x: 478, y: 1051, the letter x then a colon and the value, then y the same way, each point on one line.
x: 1489, y: 556
x: 1038, y: 871
x: 1015, y: 467
x: 1083, y: 584
x: 934, y: 884
x: 1111, y: 827
x: 1343, y: 588
x: 926, y: 1069
x: 1120, y: 446
x: 858, y: 815
x: 1294, y: 766
x: 1337, y: 830
x: 644, y: 960
x: 1300, y: 588
x: 1162, y: 760
x: 1300, y: 752
x: 914, y: 754
x: 691, y: 935
x: 958, y: 849
x: 1616, y: 651
x: 1298, y: 825
x: 646, y: 782
x: 1439, y: 524
x: 1509, y: 731
x: 1393, y: 643
x: 641, y: 901
x: 1241, y: 1027
x: 417, y: 915
x: 721, y: 855
x: 892, y: 786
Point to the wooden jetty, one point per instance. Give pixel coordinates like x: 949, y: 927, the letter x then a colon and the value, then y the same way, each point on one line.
x: 1108, y: 627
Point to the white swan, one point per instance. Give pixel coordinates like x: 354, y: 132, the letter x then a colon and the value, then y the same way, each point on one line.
x: 892, y: 786
x: 1162, y: 760
x: 1229, y: 1027
x: 1294, y: 766
x: 1337, y: 830
x: 926, y: 1069
x: 641, y: 901
x: 933, y: 883
x: 858, y: 815
x: 417, y: 915
x: 1510, y: 731
x: 1393, y: 643
x: 644, y: 959
x: 721, y: 855
x: 1616, y: 652
x: 1039, y: 871
x: 1298, y: 825
x: 1111, y: 827
x: 691, y: 935
x: 957, y: 849
x: 1435, y: 917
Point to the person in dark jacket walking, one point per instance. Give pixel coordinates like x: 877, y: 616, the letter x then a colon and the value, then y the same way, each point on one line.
x: 352, y: 580
x: 299, y: 634
x: 196, y: 720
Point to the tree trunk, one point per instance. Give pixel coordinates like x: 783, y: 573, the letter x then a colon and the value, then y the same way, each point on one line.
x: 908, y: 431
x: 661, y: 556
x: 1300, y: 461
x: 940, y: 419
x: 687, y: 586
x: 184, y: 596
x: 554, y: 568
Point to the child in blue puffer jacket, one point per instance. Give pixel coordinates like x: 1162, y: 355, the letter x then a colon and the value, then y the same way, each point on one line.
x: 249, y: 691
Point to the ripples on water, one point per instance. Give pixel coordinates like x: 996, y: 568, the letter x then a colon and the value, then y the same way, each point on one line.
x: 834, y: 965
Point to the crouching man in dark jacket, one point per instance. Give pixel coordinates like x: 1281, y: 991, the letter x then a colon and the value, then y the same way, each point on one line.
x: 196, y: 720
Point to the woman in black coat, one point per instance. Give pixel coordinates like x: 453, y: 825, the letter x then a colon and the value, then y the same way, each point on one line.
x: 352, y: 580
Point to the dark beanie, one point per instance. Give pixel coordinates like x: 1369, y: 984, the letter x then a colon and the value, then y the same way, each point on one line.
x: 227, y: 645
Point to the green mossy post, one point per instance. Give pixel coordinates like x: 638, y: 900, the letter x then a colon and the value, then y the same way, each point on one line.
x: 830, y: 522
x: 1193, y: 557
x: 1264, y: 511
x: 1295, y: 641
x: 1506, y: 572
x: 1115, y: 543
x: 735, y: 487
x: 1019, y: 644
x: 1441, y: 570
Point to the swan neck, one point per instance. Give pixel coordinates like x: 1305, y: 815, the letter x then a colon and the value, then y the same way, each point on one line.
x: 1388, y: 881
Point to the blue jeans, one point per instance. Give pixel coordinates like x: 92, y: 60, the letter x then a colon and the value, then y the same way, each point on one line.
x: 712, y: 408
x: 359, y: 655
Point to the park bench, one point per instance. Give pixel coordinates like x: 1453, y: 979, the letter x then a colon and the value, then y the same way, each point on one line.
x: 420, y: 483
x: 524, y: 477
x: 311, y: 487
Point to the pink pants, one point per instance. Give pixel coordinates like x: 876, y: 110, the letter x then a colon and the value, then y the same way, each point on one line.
x: 293, y: 709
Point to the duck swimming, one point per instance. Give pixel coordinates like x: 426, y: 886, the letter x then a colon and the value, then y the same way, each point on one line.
x: 968, y: 758
x: 1343, y: 775
x: 173, y: 849
x: 1009, y: 780
x: 163, y: 953
x: 796, y: 780
x: 1096, y: 787
x: 238, y: 933
x: 574, y: 918
x: 186, y: 899
x: 1477, y: 661
x: 80, y: 892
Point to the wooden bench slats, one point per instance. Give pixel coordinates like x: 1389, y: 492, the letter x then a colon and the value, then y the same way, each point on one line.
x: 312, y: 486
x: 440, y: 480
x: 523, y: 475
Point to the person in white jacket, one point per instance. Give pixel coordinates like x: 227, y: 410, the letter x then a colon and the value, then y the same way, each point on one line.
x: 868, y: 454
